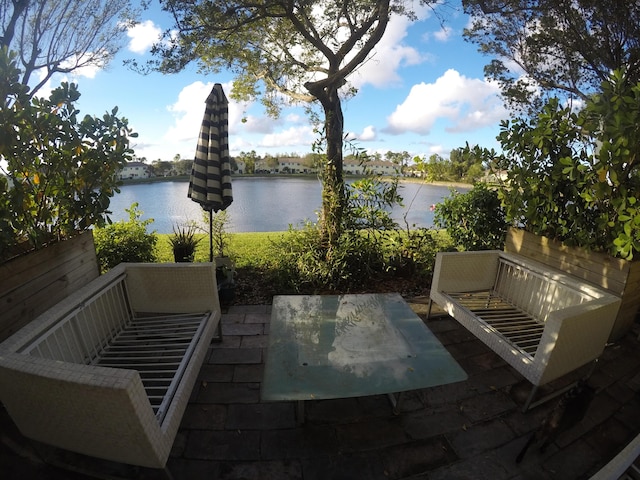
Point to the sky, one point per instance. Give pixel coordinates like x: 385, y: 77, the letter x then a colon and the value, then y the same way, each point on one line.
x: 423, y: 92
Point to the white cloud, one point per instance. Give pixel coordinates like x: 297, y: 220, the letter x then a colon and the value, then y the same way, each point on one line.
x: 381, y: 69
x: 293, y: 136
x: 259, y: 124
x: 443, y: 34
x: 143, y: 35
x: 368, y: 134
x: 467, y: 103
x: 188, y: 111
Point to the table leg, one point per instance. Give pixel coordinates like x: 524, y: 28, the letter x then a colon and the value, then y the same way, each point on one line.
x: 395, y: 402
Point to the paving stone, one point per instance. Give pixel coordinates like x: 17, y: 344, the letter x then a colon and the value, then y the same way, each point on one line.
x: 228, y: 341
x: 469, y: 349
x: 439, y: 325
x: 243, y: 329
x: 304, y: 442
x: 451, y: 393
x: 223, y: 445
x: 236, y: 356
x: 188, y: 469
x: 179, y: 444
x: 204, y: 417
x: 255, y: 341
x: 481, y: 362
x: 480, y: 467
x: 229, y: 318
x: 607, y: 437
x: 629, y: 414
x: 257, y: 318
x: 486, y: 406
x: 332, y: 411
x: 250, y: 309
x: 224, y: 393
x: 417, y: 457
x: 248, y: 373
x: 370, y: 435
x: 216, y: 373
x: 345, y: 467
x: 274, y: 470
x: 261, y: 416
x: 572, y: 462
x: 480, y: 438
x: 433, y: 423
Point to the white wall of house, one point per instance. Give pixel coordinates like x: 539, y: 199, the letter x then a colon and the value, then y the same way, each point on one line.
x: 134, y: 170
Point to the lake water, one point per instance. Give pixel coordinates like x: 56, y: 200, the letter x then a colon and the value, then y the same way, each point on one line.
x: 260, y: 204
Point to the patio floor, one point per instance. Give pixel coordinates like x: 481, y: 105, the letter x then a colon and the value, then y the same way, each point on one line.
x: 468, y: 430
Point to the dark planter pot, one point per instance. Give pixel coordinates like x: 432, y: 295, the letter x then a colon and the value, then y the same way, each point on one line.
x: 183, y: 254
x: 226, y: 293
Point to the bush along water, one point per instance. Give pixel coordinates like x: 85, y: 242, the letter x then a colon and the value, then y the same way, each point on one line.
x: 474, y: 220
x: 370, y: 245
x: 125, y: 241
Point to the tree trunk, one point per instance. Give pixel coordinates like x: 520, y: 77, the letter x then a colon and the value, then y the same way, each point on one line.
x: 333, y: 196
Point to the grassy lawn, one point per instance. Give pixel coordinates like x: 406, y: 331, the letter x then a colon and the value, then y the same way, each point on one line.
x: 247, y: 249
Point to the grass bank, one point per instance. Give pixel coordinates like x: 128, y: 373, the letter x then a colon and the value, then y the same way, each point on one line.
x: 248, y: 249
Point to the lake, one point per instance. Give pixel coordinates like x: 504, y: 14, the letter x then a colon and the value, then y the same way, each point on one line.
x: 260, y: 204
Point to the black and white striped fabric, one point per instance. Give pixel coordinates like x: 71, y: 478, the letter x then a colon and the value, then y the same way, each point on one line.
x: 210, y: 183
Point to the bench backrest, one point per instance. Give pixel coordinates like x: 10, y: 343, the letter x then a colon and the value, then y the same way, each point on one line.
x: 81, y: 335
x: 536, y: 292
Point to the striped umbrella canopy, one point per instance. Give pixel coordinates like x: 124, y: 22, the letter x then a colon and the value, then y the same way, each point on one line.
x: 210, y: 182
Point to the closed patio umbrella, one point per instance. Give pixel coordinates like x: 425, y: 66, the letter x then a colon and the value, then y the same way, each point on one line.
x: 210, y: 182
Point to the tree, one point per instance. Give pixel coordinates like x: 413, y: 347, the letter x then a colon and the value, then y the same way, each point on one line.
x: 61, y: 170
x: 60, y: 36
x: 299, y: 51
x: 564, y: 47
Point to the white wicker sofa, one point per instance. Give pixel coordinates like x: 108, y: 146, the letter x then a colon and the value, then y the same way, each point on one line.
x: 108, y: 371
x: 541, y: 321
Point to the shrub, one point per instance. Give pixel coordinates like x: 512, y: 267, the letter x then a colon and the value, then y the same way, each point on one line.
x: 574, y: 176
x: 61, y: 170
x: 125, y: 241
x: 474, y: 220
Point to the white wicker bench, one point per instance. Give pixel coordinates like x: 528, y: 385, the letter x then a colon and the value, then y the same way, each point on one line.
x: 108, y: 371
x: 544, y: 323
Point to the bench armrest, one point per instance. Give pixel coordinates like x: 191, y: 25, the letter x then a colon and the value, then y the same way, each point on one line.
x: 575, y: 336
x: 172, y: 287
x: 465, y: 271
x: 96, y: 411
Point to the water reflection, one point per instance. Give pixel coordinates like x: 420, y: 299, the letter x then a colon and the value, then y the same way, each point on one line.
x: 260, y: 204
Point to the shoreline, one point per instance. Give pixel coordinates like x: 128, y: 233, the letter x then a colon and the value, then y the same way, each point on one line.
x: 185, y: 178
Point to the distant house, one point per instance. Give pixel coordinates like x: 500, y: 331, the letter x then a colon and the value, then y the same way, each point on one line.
x: 293, y: 165
x: 134, y: 170
x: 378, y: 167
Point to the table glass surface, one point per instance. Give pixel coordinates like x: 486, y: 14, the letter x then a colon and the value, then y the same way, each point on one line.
x: 339, y: 346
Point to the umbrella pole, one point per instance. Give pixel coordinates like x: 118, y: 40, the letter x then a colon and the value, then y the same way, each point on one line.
x: 210, y: 235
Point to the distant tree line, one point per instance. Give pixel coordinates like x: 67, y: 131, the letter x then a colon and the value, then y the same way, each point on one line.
x: 461, y: 166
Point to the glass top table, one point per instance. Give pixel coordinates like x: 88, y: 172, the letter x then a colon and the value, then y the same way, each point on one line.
x: 339, y: 346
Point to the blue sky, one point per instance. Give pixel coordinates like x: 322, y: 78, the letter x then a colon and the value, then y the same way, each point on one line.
x: 423, y: 92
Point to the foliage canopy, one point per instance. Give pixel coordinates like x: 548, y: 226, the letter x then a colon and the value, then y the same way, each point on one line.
x: 574, y: 176
x: 60, y: 169
x: 60, y: 36
x: 547, y: 48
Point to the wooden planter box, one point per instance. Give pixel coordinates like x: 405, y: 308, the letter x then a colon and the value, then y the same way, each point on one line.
x: 32, y: 283
x: 617, y: 276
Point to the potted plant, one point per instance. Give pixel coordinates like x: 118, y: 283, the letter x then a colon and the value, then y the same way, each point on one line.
x: 184, y: 243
